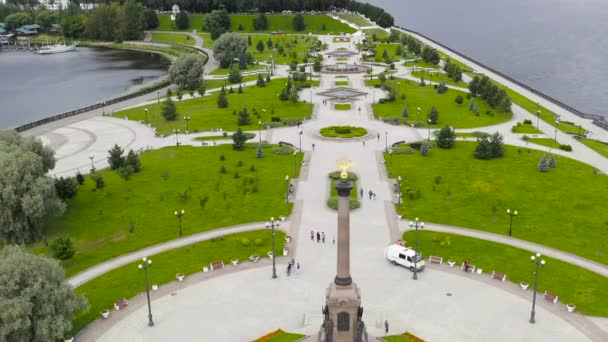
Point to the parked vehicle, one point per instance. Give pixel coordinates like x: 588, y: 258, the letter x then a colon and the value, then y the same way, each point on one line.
x: 404, y: 256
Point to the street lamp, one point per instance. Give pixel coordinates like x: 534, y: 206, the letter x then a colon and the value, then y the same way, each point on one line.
x: 147, y: 263
x: 535, y: 259
x: 300, y: 134
x: 416, y: 224
x: 295, y: 153
x: 260, y: 132
x: 512, y: 214
x: 92, y: 164
x: 287, y: 189
x: 187, y: 118
x: 176, y: 131
x: 179, y: 215
x: 429, y: 139
x: 146, y: 110
x: 399, y: 188
x: 418, y: 113
x: 537, y: 118
x: 103, y: 108
x: 390, y: 171
x: 272, y: 224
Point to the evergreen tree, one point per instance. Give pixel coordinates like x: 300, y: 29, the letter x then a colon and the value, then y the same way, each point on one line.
x: 284, y: 95
x: 238, y: 140
x: 543, y: 165
x: 298, y: 23
x: 240, y: 91
x: 434, y: 115
x: 404, y: 112
x: 168, y: 110
x: 269, y: 43
x: 235, y: 76
x: 79, y: 178
x: 65, y: 187
x: 222, y: 99
x: 244, y: 117
x: 62, y: 248
x: 259, y: 153
x: 552, y: 163
x: 115, y: 158
x: 133, y: 161
x: 293, y: 96
x: 483, y: 149
x: 100, y: 183
x: 424, y: 149
x: 260, y: 46
x: 182, y: 21
x: 496, y: 145
x: 316, y: 66
x: 260, y: 22
x: 446, y: 137
x: 249, y: 42
x: 261, y: 83
x: 459, y: 99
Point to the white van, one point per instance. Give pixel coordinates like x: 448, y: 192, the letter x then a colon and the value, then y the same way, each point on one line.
x: 403, y: 256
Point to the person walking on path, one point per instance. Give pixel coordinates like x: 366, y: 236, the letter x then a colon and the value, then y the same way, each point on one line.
x: 361, y: 192
x: 312, y: 235
x: 378, y: 136
x: 370, y: 194
x: 333, y: 241
x: 298, y: 267
x: 318, y: 237
x: 323, y: 236
x: 386, y: 326
x: 313, y: 147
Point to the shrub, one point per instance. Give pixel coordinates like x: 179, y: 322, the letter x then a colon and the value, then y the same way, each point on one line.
x: 245, y: 241
x: 527, y: 122
x: 258, y: 242
x: 332, y: 202
x: 79, y: 178
x: 125, y: 172
x: 66, y: 187
x: 99, y: 181
x: 567, y: 148
x: 446, y: 137
x: 62, y: 248
x: 223, y: 169
x: 459, y: 99
x: 424, y: 149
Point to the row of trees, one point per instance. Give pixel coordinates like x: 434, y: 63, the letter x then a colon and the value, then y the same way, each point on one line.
x: 430, y: 55
x: 453, y: 71
x: 489, y: 91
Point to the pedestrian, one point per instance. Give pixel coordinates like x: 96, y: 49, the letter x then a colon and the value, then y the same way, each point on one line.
x: 378, y: 136
x: 292, y: 262
x: 318, y: 237
x: 363, y: 142
x: 361, y: 192
x: 323, y: 237
x: 312, y: 235
x: 386, y: 326
x: 298, y: 266
x: 313, y: 147
x: 288, y: 269
x: 334, y: 240
x: 370, y: 194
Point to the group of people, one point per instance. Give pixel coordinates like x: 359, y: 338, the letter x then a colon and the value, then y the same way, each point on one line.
x: 291, y: 265
x: 372, y: 195
x: 320, y: 236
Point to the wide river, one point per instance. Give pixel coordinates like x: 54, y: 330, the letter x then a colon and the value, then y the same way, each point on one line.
x: 559, y: 47
x: 34, y: 86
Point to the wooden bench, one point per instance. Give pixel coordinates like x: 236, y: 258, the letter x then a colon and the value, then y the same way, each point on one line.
x: 435, y: 259
x: 121, y: 303
x: 551, y: 297
x: 254, y: 258
x: 499, y: 276
x: 471, y: 268
x: 217, y: 265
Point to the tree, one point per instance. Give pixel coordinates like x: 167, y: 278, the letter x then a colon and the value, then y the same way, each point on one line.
x: 260, y: 82
x: 441, y: 88
x: 260, y: 46
x: 150, y: 19
x: 298, y: 23
x: 168, y: 110
x: 217, y: 23
x: 489, y: 147
x: 65, y: 187
x: 404, y: 112
x: 269, y: 43
x: 238, y: 139
x: 115, y: 158
x: 260, y: 22
x: 133, y: 161
x: 434, y: 115
x: 102, y: 22
x: 496, y: 145
x: 62, y: 248
x: 552, y: 163
x: 459, y: 99
x: 186, y: 71
x: 382, y: 78
x: 424, y: 149
x: 36, y: 304
x: 18, y: 19
x: 100, y: 183
x: 543, y: 165
x: 316, y: 66
x: 46, y: 19
x: 73, y: 26
x: 229, y: 47
x: 446, y: 137
x: 182, y: 21
x: 244, y: 117
x: 27, y: 194
x: 79, y: 178
x: 222, y: 99
x: 130, y: 21
x: 234, y: 76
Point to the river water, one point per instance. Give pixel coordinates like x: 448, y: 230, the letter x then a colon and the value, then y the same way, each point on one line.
x: 34, y: 86
x: 559, y: 47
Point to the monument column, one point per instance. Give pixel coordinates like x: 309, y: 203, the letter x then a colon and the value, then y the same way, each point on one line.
x: 343, y: 277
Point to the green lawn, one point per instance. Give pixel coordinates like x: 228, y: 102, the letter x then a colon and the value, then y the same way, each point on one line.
x: 344, y: 132
x: 356, y: 19
x: 545, y: 142
x: 586, y: 289
x: 129, y: 215
x: 205, y: 115
x: 398, y: 338
x: 525, y: 128
x: 439, y: 77
x: 165, y: 23
x: 294, y: 46
x: 173, y: 38
x: 562, y: 208
x: 226, y: 71
x: 380, y: 33
x: 422, y: 64
x: 214, y: 84
x: 127, y: 281
x: 207, y: 41
x: 342, y: 106
x: 389, y: 48
x: 450, y: 113
x: 598, y: 146
x: 341, y: 83
x: 279, y: 22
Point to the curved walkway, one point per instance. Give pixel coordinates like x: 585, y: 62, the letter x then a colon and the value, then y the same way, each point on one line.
x: 124, y: 259
x: 523, y: 244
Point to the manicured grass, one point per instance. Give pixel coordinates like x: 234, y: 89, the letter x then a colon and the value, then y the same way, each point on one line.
x: 279, y: 22
x: 356, y: 19
x: 127, y: 281
x: 130, y: 215
x: 525, y: 128
x: 344, y: 132
x: 166, y: 24
x: 436, y: 77
x: 341, y: 83
x: 422, y: 64
x: 450, y: 113
x: 586, y: 289
x: 279, y: 336
x: 207, y: 41
x: 173, y: 38
x: 598, y: 146
x: 545, y: 142
x: 342, y: 106
x: 294, y: 46
x: 380, y: 33
x: 226, y: 71
x: 398, y: 338
x: 562, y: 208
x: 205, y: 115
x: 391, y: 49
x: 214, y: 84
x: 248, y: 135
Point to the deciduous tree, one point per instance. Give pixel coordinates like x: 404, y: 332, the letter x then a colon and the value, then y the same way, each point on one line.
x: 186, y: 71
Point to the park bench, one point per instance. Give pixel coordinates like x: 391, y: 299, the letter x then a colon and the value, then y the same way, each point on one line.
x: 121, y: 303
x: 283, y: 143
x: 254, y: 258
x: 435, y: 259
x: 499, y: 276
x: 217, y: 265
x: 471, y: 267
x: 551, y: 297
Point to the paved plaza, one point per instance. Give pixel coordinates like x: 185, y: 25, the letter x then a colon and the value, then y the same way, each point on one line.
x: 242, y: 304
